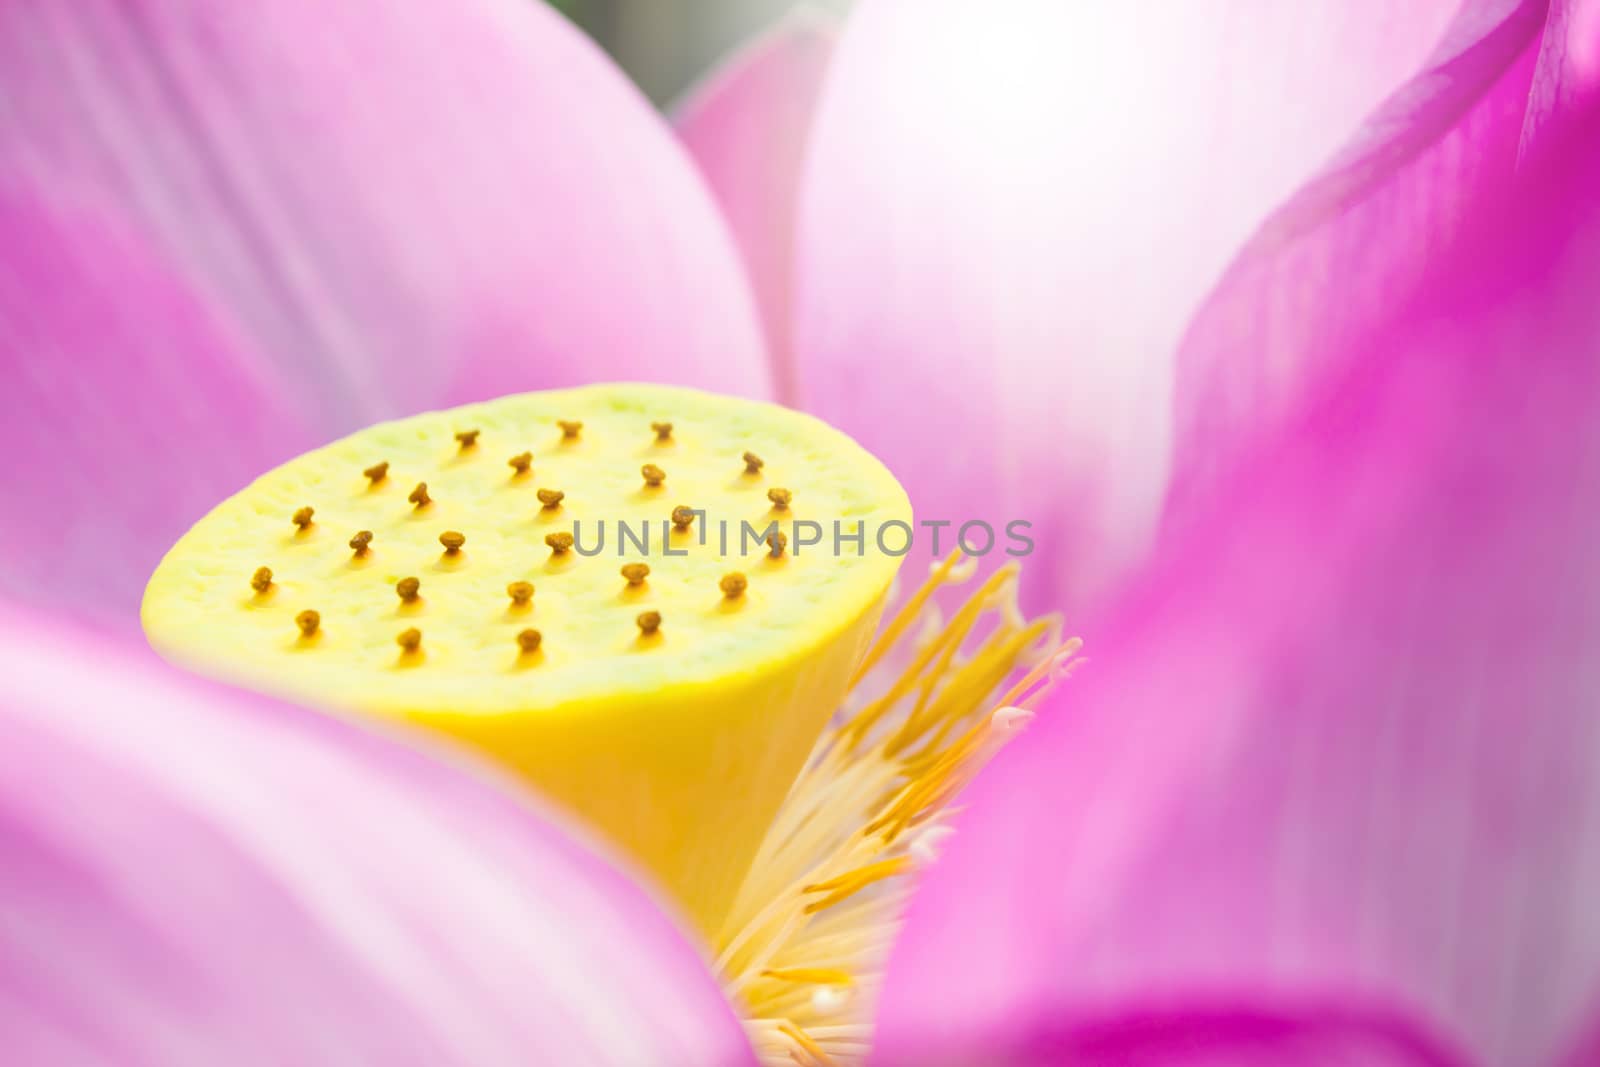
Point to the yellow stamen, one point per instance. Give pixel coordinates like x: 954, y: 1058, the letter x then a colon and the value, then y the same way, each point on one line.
x: 805, y: 945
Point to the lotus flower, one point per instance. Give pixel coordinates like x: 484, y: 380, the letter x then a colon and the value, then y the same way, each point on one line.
x: 1326, y: 794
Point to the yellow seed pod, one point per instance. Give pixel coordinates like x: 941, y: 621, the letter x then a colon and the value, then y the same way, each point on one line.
x: 679, y: 747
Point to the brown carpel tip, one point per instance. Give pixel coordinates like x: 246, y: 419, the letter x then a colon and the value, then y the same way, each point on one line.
x: 520, y: 462
x: 780, y: 498
x: 776, y: 542
x: 377, y: 472
x: 529, y: 640
x: 419, y: 496
x: 551, y: 498
x: 302, y: 518
x: 753, y: 463
x: 407, y: 588
x: 359, y: 543
x: 653, y: 475
x: 649, y: 622
x: 733, y: 585
x: 308, y: 621
x: 520, y: 593
x: 560, y: 543
x: 663, y: 431
x: 467, y: 438
x: 261, y: 580
x: 409, y: 640
x: 635, y: 573
x: 683, y: 516
x: 569, y: 429
x: 452, y: 540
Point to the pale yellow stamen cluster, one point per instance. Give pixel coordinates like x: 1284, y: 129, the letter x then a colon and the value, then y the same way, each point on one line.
x: 806, y: 943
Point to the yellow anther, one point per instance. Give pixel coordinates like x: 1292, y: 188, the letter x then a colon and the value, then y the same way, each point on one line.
x: 359, y: 543
x: 467, y: 438
x: 663, y: 431
x: 733, y: 585
x: 653, y: 475
x: 570, y: 430
x: 377, y: 472
x: 302, y: 518
x: 529, y: 640
x: 649, y: 622
x: 409, y: 640
x: 551, y: 498
x: 261, y: 580
x: 521, y: 462
x: 419, y: 496
x: 308, y: 621
x: 853, y: 882
x: 407, y: 588
x: 682, y: 517
x: 452, y: 540
x: 520, y: 593
x: 560, y: 543
x: 780, y: 498
x: 776, y: 542
x: 753, y: 463
x: 635, y: 573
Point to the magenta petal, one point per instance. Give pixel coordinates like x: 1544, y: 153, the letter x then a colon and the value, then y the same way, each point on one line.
x: 1335, y: 758
x: 190, y: 875
x: 747, y: 126
x: 405, y: 205
x: 127, y: 411
x: 1012, y: 212
x: 1369, y: 225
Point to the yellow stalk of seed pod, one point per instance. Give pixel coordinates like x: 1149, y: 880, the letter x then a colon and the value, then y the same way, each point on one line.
x: 668, y: 709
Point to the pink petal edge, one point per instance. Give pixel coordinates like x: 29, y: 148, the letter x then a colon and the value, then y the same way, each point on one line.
x: 1010, y: 214
x: 747, y: 125
x: 192, y: 875
x: 401, y: 205
x: 1369, y: 226
x: 1337, y: 747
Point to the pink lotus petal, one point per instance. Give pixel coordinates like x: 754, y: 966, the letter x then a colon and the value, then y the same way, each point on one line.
x: 747, y: 126
x: 1335, y: 757
x: 127, y: 410
x: 190, y: 875
x: 1370, y: 225
x: 406, y: 205
x: 1013, y: 210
